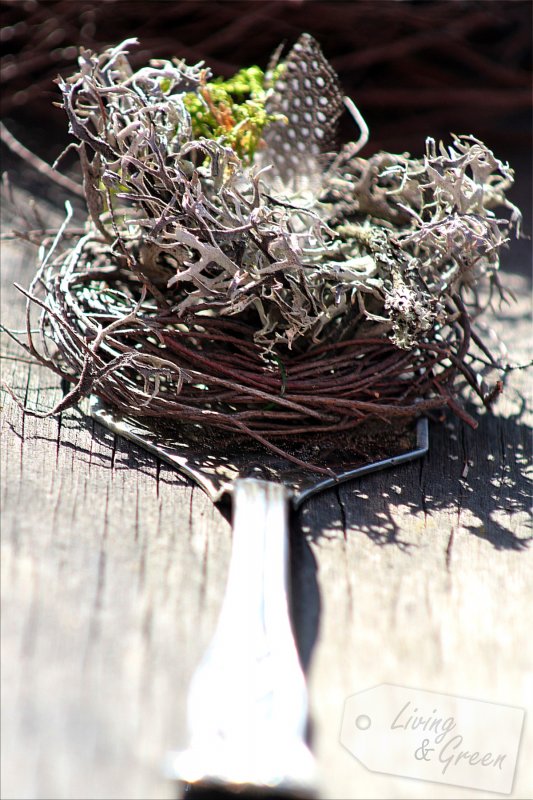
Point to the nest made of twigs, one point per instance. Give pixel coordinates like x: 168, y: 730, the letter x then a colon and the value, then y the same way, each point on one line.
x: 203, y: 292
x: 102, y: 330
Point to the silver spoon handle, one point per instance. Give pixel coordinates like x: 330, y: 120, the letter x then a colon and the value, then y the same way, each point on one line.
x: 248, y: 698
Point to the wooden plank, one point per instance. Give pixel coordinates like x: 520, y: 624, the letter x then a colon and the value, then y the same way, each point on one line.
x: 113, y: 569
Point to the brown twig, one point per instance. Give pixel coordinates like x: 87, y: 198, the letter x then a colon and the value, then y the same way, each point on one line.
x: 38, y: 164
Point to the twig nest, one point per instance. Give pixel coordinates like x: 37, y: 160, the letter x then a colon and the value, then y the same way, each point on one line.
x: 239, y: 271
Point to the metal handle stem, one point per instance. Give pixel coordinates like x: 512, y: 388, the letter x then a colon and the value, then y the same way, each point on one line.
x: 248, y: 698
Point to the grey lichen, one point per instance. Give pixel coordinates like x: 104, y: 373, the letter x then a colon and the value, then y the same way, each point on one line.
x: 382, y: 241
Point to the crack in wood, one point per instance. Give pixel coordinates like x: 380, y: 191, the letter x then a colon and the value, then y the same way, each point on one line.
x: 114, y: 447
x: 59, y: 419
x: 157, y: 476
x: 190, y: 520
x: 342, y: 512
x: 422, y: 488
x: 347, y: 566
x: 449, y: 547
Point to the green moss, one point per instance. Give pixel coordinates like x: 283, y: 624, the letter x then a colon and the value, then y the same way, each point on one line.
x: 232, y: 111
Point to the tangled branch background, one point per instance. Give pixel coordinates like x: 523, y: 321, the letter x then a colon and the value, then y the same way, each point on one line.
x: 261, y: 294
x: 415, y: 68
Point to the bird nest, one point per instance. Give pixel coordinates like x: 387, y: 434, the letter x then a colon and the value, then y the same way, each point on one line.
x: 238, y: 271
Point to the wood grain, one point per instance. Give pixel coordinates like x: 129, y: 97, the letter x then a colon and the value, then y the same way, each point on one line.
x: 113, y: 570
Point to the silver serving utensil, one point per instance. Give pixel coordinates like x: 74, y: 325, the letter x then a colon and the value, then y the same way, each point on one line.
x: 247, y: 706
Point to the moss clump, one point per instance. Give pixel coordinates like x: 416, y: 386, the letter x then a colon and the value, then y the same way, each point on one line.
x: 232, y: 111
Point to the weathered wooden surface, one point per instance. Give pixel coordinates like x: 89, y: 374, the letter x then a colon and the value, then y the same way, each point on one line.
x: 113, y: 569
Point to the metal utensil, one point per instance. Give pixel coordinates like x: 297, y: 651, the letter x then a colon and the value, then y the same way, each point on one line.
x: 247, y: 708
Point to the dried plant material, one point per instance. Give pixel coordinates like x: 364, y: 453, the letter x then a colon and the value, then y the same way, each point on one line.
x: 237, y: 271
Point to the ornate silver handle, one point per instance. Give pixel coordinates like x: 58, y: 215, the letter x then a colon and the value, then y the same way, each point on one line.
x: 248, y: 701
